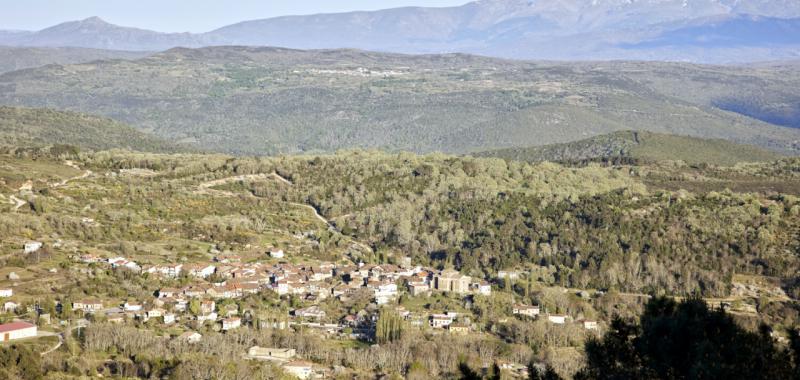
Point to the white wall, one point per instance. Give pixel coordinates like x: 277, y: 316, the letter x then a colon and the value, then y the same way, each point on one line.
x: 20, y: 334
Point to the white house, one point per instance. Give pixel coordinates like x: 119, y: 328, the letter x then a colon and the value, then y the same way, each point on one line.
x: 231, y: 323
x: 33, y: 246
x: 508, y: 274
x: 171, y: 270
x: 589, y: 324
x: 121, y: 262
x: 276, y: 253
x: 298, y: 368
x: 129, y: 306
x: 169, y: 318
x: 200, y: 270
x: 385, y: 292
x: 154, y: 313
x: 528, y: 311
x: 441, y: 320
x: 87, y: 306
x: 281, y: 287
x: 8, y: 292
x: 557, y: 319
x: 10, y: 307
x: 482, y: 288
x: 180, y: 305
x: 17, y: 330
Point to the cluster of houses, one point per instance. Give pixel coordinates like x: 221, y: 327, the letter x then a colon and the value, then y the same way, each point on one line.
x: 234, y: 279
x: 239, y: 279
x: 228, y: 278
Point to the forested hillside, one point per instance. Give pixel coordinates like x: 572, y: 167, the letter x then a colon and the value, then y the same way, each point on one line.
x: 643, y: 146
x: 266, y: 100
x: 728, y: 234
x: 28, y: 127
x: 483, y: 215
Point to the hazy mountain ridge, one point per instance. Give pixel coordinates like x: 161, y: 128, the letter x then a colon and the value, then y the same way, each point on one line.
x: 273, y: 100
x: 18, y: 58
x: 639, y: 145
x: 542, y: 29
x: 97, y: 33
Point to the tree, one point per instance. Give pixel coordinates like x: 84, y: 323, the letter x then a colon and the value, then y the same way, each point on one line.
x: 194, y: 306
x: 684, y: 340
x: 467, y: 373
x: 18, y: 361
x: 39, y: 205
x: 389, y: 328
x: 66, y: 309
x: 535, y: 373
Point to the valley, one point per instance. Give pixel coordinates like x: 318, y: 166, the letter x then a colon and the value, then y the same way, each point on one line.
x: 491, y: 190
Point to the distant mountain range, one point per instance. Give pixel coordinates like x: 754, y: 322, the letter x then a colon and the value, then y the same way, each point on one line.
x: 677, y: 30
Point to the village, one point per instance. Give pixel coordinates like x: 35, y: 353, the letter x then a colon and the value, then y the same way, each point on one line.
x: 208, y: 300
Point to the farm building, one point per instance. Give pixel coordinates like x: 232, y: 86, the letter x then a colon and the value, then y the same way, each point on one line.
x: 32, y: 247
x: 17, y: 330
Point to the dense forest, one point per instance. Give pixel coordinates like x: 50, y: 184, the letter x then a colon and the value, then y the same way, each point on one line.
x: 485, y: 215
x: 632, y: 146
x: 43, y: 127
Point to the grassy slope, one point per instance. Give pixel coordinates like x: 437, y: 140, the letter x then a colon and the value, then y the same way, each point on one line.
x: 640, y: 145
x: 262, y: 100
x: 41, y: 127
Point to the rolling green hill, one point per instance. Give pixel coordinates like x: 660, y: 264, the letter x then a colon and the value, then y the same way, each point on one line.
x: 637, y: 145
x: 41, y: 127
x: 268, y: 100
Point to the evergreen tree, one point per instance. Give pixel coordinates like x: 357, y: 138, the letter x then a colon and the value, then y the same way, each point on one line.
x: 684, y: 340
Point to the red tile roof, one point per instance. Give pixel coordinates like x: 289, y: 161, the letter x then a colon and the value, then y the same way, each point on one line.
x: 15, y: 326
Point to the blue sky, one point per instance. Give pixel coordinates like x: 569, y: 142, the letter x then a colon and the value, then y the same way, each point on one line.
x: 180, y: 15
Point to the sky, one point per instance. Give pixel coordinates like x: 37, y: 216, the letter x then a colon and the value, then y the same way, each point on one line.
x: 180, y: 15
